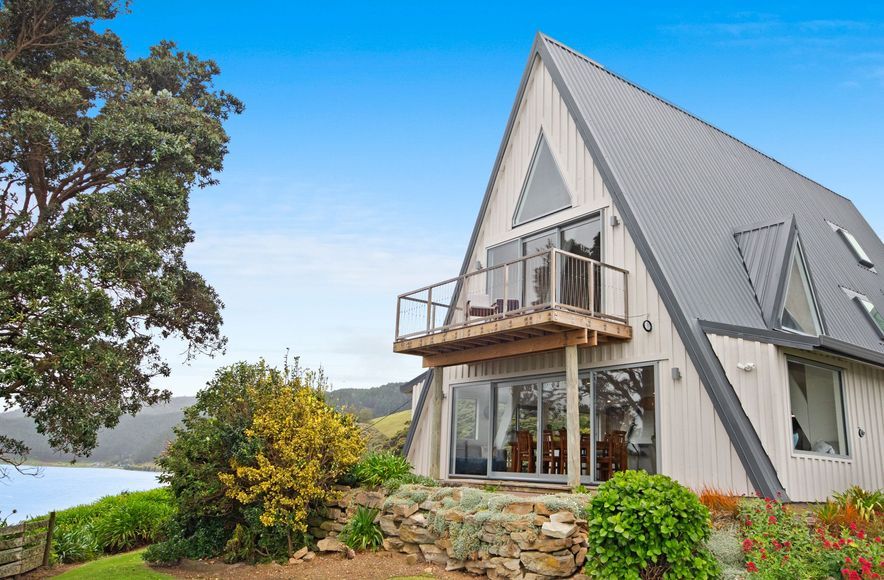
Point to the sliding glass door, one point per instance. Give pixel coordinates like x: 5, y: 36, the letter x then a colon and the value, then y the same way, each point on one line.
x: 625, y: 419
x: 518, y: 429
x: 515, y: 428
x: 471, y: 409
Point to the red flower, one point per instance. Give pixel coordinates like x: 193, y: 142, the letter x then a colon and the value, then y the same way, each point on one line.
x: 861, y: 535
x: 852, y: 526
x: 747, y: 544
x: 772, y: 520
x: 847, y: 560
x: 751, y: 567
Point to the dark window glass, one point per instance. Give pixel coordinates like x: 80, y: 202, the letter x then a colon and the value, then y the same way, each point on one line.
x: 625, y: 421
x: 472, y: 407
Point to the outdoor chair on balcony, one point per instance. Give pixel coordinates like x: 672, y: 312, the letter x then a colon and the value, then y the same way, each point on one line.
x: 482, y: 306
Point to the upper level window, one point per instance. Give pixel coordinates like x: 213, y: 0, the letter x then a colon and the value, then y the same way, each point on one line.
x: 869, y: 309
x: 817, y: 404
x: 861, y: 256
x: 544, y: 191
x: 799, y: 307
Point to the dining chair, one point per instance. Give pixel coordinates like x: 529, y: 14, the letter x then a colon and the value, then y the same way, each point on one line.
x: 525, y: 452
x: 549, y: 459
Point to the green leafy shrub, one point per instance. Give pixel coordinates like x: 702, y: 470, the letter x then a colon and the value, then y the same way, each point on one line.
x: 240, y: 491
x: 74, y: 544
x: 779, y: 543
x: 112, y: 524
x: 362, y: 532
x: 380, y: 466
x: 127, y: 525
x: 642, y: 525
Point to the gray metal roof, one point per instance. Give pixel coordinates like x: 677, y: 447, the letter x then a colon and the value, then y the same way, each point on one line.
x: 765, y: 249
x: 691, y: 186
x: 685, y: 191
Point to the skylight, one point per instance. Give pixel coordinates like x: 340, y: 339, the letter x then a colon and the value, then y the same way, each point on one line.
x: 544, y: 191
x: 799, y: 308
x: 861, y: 256
x: 872, y: 312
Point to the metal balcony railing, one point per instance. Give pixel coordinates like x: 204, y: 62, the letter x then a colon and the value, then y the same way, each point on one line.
x: 551, y: 279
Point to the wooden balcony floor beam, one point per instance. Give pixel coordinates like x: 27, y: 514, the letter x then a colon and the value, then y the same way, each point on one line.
x: 581, y: 337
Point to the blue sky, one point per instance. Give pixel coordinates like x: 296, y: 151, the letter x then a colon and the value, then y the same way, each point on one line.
x: 370, y: 130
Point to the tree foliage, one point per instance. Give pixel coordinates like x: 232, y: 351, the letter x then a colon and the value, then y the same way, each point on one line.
x: 303, y: 446
x: 98, y: 155
x: 257, y: 447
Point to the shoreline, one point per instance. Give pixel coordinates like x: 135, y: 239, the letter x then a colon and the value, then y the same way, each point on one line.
x: 91, y: 465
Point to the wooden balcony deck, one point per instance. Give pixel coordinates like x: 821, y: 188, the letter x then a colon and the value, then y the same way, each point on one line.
x: 549, y: 300
x: 512, y: 335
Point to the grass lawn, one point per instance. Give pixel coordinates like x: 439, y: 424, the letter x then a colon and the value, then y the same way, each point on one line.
x: 392, y: 424
x: 128, y: 565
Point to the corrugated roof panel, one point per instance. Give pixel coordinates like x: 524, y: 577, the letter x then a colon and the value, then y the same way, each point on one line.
x: 691, y: 186
x: 765, y: 249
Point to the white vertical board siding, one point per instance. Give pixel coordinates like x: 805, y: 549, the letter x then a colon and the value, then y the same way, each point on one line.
x: 417, y: 454
x: 541, y: 109
x: 694, y: 447
x: 764, y: 394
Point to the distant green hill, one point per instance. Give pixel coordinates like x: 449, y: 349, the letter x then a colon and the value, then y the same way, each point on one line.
x: 135, y: 441
x: 370, y: 403
x: 138, y: 440
x: 392, y: 424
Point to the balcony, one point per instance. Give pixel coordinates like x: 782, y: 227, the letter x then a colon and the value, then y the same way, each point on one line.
x: 541, y: 302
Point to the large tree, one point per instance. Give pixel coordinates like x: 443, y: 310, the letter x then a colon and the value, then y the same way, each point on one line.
x: 98, y: 155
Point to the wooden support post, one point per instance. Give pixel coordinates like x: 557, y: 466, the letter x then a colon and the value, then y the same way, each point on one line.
x: 436, y: 422
x: 50, y: 530
x: 572, y: 411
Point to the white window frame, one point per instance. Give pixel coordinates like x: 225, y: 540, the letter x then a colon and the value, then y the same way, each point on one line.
x: 862, y: 257
x: 800, y: 453
x: 541, y: 138
x: 798, y: 252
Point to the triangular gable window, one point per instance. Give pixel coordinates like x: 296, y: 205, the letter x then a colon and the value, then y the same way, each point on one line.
x: 544, y: 191
x: 800, y: 313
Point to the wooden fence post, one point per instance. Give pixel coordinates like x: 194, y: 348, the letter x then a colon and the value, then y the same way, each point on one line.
x: 50, y: 528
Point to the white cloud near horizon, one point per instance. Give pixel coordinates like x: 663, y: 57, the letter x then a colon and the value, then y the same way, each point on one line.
x: 316, y: 272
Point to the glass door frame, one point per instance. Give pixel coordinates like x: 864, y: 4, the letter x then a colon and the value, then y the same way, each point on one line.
x: 586, y: 373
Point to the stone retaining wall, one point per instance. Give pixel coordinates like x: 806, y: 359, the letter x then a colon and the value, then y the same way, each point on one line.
x: 497, y: 535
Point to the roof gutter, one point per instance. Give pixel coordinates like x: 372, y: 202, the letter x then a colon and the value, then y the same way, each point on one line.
x: 787, y: 339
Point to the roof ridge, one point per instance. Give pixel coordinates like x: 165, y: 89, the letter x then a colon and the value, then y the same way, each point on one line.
x: 686, y: 112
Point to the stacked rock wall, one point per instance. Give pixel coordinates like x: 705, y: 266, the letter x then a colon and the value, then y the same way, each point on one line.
x: 496, y: 535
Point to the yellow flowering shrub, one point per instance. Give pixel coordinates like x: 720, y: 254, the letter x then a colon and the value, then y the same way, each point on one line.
x: 303, y: 447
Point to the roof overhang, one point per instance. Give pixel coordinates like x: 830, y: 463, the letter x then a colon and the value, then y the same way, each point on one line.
x: 822, y: 343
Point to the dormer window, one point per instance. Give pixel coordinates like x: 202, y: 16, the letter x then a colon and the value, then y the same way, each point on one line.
x: 861, y: 256
x: 800, y: 312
